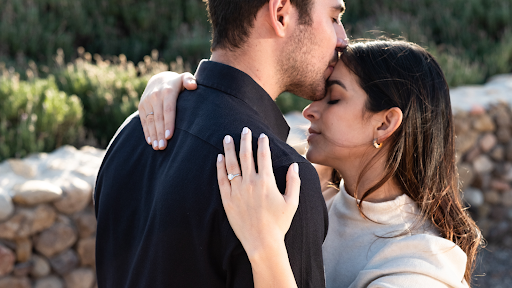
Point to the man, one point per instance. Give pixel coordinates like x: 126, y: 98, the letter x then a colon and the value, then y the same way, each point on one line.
x: 161, y: 222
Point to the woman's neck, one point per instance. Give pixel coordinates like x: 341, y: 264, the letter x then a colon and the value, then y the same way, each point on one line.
x: 388, y: 191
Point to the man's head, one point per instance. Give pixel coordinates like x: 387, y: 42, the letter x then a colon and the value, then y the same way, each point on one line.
x: 298, y: 38
x: 232, y: 20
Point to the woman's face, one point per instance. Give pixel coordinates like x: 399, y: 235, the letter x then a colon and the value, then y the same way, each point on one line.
x: 340, y: 128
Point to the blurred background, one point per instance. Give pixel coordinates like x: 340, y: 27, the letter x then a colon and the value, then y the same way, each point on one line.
x: 71, y: 71
x: 87, y: 61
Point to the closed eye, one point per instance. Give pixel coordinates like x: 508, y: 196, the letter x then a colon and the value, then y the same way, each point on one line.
x: 332, y: 102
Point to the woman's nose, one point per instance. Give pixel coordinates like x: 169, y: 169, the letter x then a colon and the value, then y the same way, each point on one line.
x: 310, y: 112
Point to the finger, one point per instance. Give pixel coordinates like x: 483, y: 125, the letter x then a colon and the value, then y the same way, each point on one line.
x: 291, y: 195
x: 222, y: 178
x: 264, y: 156
x: 157, y: 103
x: 150, y: 122
x: 142, y: 112
x: 246, y: 156
x: 232, y: 166
x: 189, y: 81
x: 170, y: 113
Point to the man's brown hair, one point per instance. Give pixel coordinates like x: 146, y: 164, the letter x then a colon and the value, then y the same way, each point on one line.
x: 232, y: 20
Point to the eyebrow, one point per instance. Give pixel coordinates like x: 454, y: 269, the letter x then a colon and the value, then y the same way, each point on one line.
x: 339, y: 7
x: 336, y: 82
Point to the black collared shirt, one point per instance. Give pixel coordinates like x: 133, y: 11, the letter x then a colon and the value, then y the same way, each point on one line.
x: 161, y: 222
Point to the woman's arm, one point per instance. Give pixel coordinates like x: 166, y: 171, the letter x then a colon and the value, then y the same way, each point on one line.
x: 157, y: 107
x: 258, y: 213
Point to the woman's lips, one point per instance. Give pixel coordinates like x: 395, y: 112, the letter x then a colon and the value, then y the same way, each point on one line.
x: 312, y: 133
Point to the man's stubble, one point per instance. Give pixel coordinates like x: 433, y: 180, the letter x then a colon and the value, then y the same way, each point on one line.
x: 297, y: 68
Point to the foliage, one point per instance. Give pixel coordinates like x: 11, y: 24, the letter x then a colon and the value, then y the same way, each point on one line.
x: 109, y: 90
x: 35, y: 116
x: 107, y: 27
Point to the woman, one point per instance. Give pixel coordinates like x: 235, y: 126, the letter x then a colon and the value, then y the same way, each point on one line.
x: 397, y: 220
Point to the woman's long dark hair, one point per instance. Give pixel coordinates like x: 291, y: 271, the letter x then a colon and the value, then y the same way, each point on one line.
x: 421, y: 155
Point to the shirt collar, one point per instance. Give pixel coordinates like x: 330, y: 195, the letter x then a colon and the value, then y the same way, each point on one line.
x: 240, y: 85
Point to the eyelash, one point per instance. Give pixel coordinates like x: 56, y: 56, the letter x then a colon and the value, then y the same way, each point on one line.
x: 332, y: 102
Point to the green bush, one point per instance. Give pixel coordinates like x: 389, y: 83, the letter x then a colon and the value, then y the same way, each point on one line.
x: 108, y: 27
x: 472, y: 39
x: 109, y: 90
x: 35, y: 116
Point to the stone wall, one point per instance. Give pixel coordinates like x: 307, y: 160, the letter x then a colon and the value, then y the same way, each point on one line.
x: 47, y: 222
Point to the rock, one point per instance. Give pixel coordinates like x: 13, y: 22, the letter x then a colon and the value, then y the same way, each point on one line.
x: 86, y: 224
x: 49, y: 282
x: 44, y: 218
x: 509, y: 152
x: 35, y: 192
x: 499, y: 185
x: 41, y: 267
x: 474, y: 196
x: 498, y: 213
x: 14, y: 282
x: 498, y: 153
x: 64, y: 262
x: 23, y: 168
x: 56, y: 239
x: 85, y: 249
x: 465, y: 142
x: 492, y: 197
x: 76, y: 195
x: 499, y: 231
x: 27, y: 221
x: 6, y: 206
x: 6, y: 261
x: 506, y: 199
x: 483, y: 123
x: 23, y: 249
x: 484, y: 210
x: 503, y: 135
x: 502, y: 117
x: 461, y: 125
x: 80, y: 278
x: 472, y: 154
x: 483, y: 164
x: 466, y: 174
x: 23, y: 269
x: 487, y: 142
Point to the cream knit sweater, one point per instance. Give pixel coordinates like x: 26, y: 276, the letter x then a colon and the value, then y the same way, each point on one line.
x: 355, y: 257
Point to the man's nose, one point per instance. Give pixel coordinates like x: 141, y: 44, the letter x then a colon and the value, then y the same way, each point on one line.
x: 342, y: 39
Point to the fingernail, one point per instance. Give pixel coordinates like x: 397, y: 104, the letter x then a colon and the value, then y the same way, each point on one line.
x: 245, y: 130
x: 262, y: 135
x: 155, y: 143
x: 227, y: 139
x: 296, y: 167
x: 219, y: 158
x: 161, y: 144
x: 149, y: 140
x: 192, y: 81
x: 167, y: 133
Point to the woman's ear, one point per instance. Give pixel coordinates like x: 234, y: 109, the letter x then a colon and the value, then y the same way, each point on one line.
x: 390, y: 120
x: 280, y: 16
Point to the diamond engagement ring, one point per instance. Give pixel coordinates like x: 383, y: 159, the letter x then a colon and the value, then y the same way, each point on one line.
x: 150, y: 113
x: 232, y: 176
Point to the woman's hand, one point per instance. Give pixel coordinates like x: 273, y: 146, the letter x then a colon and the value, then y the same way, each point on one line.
x: 157, y: 107
x: 258, y: 213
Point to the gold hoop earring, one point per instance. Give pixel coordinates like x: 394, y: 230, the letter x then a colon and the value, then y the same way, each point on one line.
x: 375, y: 144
